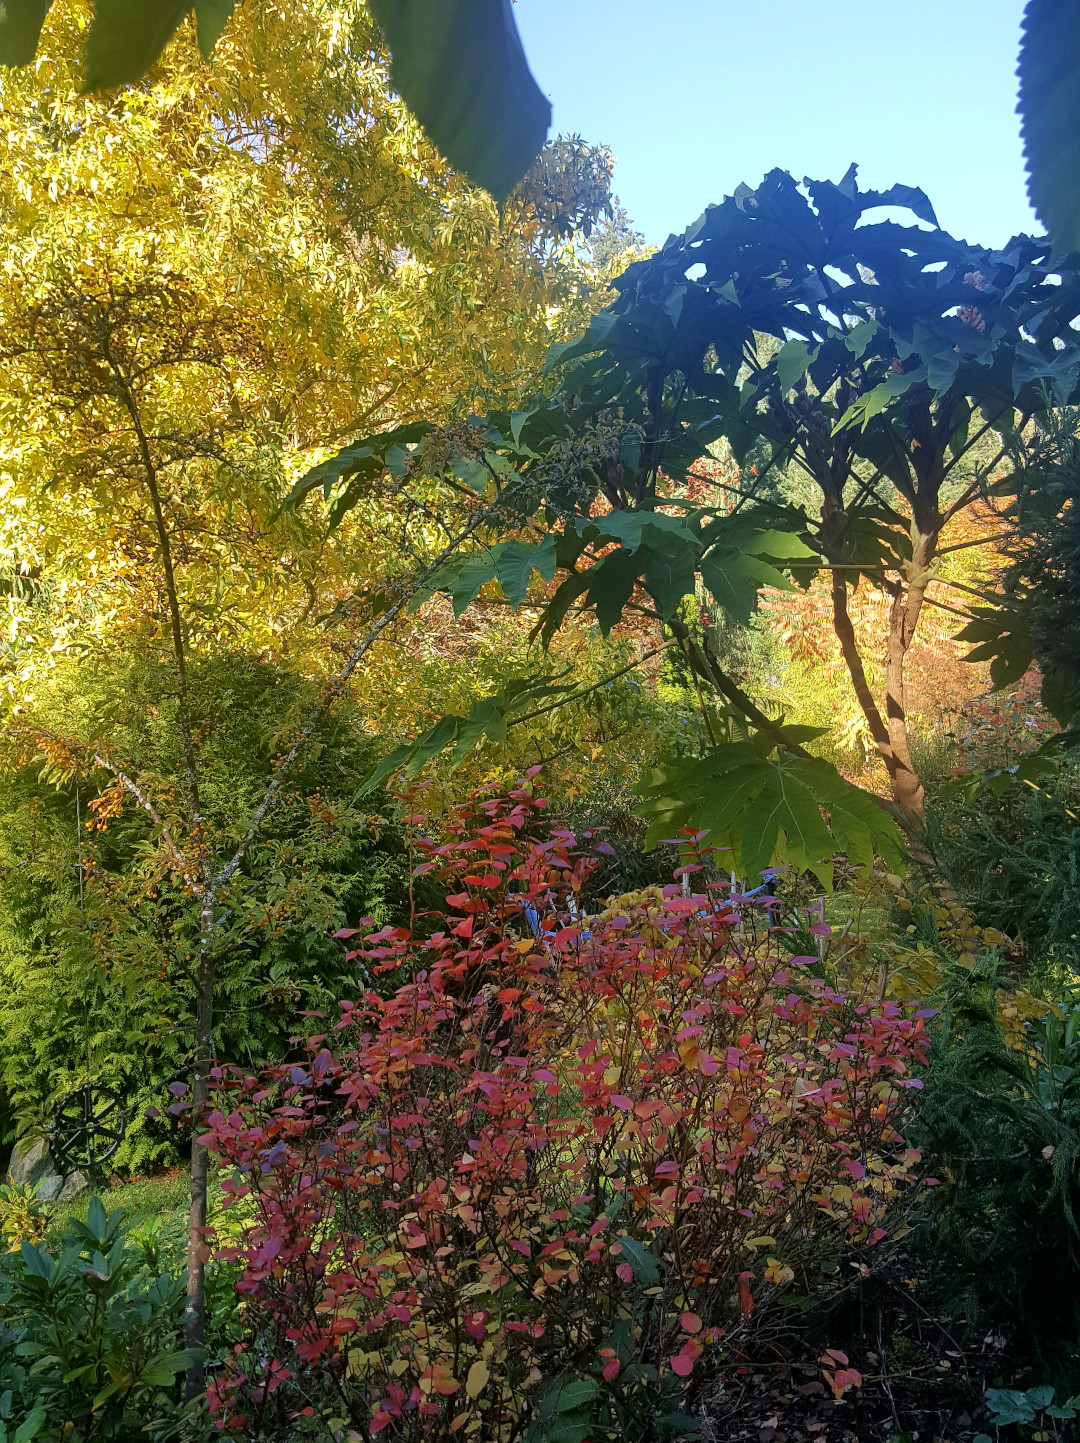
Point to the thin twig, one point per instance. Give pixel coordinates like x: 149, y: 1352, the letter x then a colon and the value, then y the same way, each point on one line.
x: 132, y: 786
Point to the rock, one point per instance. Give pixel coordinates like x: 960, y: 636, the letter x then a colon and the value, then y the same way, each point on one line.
x: 50, y: 1187
x: 75, y: 1184
x: 32, y: 1165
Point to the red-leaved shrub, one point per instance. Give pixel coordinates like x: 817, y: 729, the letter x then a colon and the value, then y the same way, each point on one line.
x: 545, y: 1183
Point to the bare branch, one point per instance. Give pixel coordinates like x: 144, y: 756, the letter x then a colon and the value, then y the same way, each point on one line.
x: 130, y: 785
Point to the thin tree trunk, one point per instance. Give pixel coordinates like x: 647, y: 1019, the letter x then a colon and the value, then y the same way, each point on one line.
x: 904, y: 613
x: 889, y: 732
x: 849, y: 646
x: 195, y: 1315
x: 198, y: 869
x: 204, y: 995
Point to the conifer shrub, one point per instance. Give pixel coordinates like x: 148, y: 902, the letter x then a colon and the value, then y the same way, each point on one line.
x: 99, y: 942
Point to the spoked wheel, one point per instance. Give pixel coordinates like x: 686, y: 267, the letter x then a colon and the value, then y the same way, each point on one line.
x: 87, y: 1128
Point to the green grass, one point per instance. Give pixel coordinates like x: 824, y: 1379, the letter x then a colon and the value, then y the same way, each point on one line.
x: 165, y: 1197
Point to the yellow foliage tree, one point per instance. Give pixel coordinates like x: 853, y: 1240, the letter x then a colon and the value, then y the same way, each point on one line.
x: 207, y: 281
x: 338, y: 271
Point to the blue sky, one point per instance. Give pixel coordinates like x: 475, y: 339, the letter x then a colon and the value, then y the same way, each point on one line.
x: 694, y: 96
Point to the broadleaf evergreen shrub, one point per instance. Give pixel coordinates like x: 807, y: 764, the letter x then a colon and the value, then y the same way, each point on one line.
x: 1010, y: 846
x: 90, y: 1333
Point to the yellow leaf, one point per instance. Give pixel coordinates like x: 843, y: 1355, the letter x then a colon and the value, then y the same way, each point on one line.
x: 688, y: 1054
x: 477, y: 1379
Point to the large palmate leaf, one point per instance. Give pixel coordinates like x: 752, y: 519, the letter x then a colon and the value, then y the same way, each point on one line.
x: 511, y: 563
x: 1050, y: 111
x: 1003, y: 637
x: 126, y: 37
x: 486, y: 720
x: 659, y: 552
x: 745, y: 555
x: 461, y: 70
x: 768, y: 810
x: 358, y: 464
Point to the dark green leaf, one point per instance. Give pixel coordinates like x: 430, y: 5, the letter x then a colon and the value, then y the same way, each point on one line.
x: 784, y: 804
x: 862, y: 411
x: 860, y: 336
x: 460, y: 68
x: 641, y: 1261
x: 97, y: 1221
x: 611, y: 584
x: 126, y: 37
x: 37, y: 1264
x: 31, y: 1425
x: 20, y: 28
x: 486, y: 719
x: 632, y: 528
x: 1060, y: 695
x: 411, y: 756
x: 670, y: 572
x: 569, y: 1395
x: 1050, y: 112
x: 366, y: 458
x: 160, y: 1371
x: 553, y: 615
x: 736, y: 581
x: 566, y: 1428
x: 1007, y: 667
x: 469, y: 579
x: 211, y: 17
x: 908, y: 196
x: 515, y: 563
x: 792, y: 361
x: 768, y: 810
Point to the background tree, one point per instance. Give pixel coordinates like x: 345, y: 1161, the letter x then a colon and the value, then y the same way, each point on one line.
x: 1036, y: 617
x: 462, y: 70
x: 187, y: 278
x: 99, y: 939
x: 460, y: 67
x: 614, y: 237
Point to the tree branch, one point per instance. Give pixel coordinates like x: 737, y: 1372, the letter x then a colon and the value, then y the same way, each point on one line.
x: 130, y: 785
x: 338, y: 685
x: 187, y: 741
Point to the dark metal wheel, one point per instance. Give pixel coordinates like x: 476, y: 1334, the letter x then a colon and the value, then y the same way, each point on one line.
x: 87, y: 1128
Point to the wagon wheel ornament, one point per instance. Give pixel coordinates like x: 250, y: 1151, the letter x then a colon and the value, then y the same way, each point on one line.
x: 87, y: 1128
